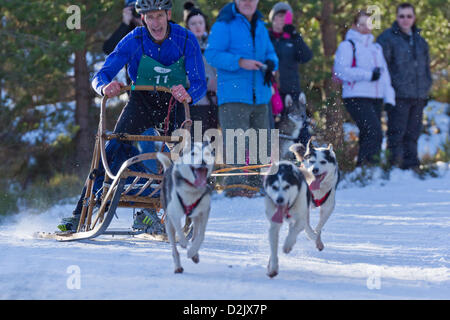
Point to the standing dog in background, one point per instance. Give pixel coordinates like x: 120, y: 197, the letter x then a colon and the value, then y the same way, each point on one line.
x: 292, y: 120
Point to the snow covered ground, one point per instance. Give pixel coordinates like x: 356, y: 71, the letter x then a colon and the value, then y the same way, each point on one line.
x: 388, y: 240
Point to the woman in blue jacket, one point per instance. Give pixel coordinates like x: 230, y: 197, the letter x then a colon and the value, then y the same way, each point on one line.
x: 239, y: 47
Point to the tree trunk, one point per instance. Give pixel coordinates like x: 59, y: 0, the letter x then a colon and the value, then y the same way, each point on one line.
x: 333, y: 112
x: 84, y: 138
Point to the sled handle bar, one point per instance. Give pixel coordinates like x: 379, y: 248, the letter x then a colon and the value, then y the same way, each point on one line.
x: 102, y: 125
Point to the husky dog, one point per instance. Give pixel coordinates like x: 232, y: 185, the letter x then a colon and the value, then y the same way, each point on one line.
x: 287, y: 199
x: 323, y: 178
x: 186, y: 193
x: 291, y: 122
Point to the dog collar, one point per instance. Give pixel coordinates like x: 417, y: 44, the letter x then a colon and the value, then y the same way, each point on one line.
x: 319, y: 202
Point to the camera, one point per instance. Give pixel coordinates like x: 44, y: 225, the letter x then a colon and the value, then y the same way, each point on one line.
x: 131, y: 3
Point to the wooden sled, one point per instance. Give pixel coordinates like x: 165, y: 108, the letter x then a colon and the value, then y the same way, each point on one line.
x: 97, y: 213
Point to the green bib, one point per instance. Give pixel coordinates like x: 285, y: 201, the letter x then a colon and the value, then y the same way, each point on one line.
x: 152, y: 73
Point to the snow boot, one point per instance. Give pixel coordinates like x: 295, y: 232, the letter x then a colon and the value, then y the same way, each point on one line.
x: 148, y: 220
x: 69, y: 224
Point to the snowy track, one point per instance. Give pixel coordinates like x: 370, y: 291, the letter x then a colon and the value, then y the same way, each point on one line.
x: 389, y: 240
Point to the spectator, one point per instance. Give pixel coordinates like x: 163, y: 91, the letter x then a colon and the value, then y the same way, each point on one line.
x: 291, y: 51
x: 130, y: 20
x: 239, y: 46
x: 206, y: 109
x: 360, y: 64
x: 407, y: 57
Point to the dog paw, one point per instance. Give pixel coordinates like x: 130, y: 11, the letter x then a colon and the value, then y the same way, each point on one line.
x: 179, y: 270
x: 193, y: 254
x: 196, y: 258
x: 319, y: 245
x: 272, y: 273
x: 287, y: 249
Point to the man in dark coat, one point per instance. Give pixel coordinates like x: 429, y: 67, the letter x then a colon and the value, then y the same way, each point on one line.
x: 407, y: 57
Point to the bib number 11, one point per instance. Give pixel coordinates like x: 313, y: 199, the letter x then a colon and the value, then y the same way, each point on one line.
x: 163, y: 78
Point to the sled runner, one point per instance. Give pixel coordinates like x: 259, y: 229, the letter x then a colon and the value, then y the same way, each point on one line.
x: 131, y: 183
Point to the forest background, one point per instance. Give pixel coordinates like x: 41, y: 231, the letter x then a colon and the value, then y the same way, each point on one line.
x: 49, y: 113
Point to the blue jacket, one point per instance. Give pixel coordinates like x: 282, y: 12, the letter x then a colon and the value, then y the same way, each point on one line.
x: 129, y: 52
x: 231, y: 39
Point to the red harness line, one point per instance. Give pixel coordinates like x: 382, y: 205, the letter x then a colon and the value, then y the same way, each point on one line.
x: 190, y: 208
x: 319, y: 202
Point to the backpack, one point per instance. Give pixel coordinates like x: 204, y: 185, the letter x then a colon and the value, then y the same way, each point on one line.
x: 334, y: 76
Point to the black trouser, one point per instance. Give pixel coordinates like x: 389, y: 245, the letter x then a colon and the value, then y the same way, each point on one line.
x: 144, y: 110
x: 366, y: 113
x: 404, y: 127
x: 207, y: 114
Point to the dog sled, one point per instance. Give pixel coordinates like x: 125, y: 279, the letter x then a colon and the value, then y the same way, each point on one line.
x: 128, y: 187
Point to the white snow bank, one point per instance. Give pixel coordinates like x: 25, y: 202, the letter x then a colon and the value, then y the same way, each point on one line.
x: 387, y: 240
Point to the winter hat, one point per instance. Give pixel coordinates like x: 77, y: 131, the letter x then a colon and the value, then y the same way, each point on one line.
x: 190, y: 11
x: 278, y: 7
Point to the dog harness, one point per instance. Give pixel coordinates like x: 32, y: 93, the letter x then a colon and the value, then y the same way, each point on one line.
x: 190, y: 208
x: 319, y: 202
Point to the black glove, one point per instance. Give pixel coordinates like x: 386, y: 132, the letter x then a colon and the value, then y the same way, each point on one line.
x: 376, y: 73
x: 388, y: 107
x: 268, y: 73
x: 289, y: 29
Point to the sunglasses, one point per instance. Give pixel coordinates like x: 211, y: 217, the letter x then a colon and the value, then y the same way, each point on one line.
x: 402, y: 16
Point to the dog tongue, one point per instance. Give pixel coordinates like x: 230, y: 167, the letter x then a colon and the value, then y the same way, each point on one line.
x: 279, y: 214
x: 315, y: 185
x: 200, y: 177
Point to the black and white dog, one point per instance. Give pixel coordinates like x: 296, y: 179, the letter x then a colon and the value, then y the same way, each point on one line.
x: 322, y: 179
x: 292, y: 120
x: 186, y: 193
x: 287, y: 199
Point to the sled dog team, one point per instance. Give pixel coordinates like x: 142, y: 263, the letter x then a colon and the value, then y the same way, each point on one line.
x: 290, y: 192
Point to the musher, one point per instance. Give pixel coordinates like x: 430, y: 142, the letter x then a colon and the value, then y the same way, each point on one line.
x: 160, y: 45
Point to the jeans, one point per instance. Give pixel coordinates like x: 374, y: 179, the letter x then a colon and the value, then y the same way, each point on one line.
x: 404, y: 127
x: 366, y: 113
